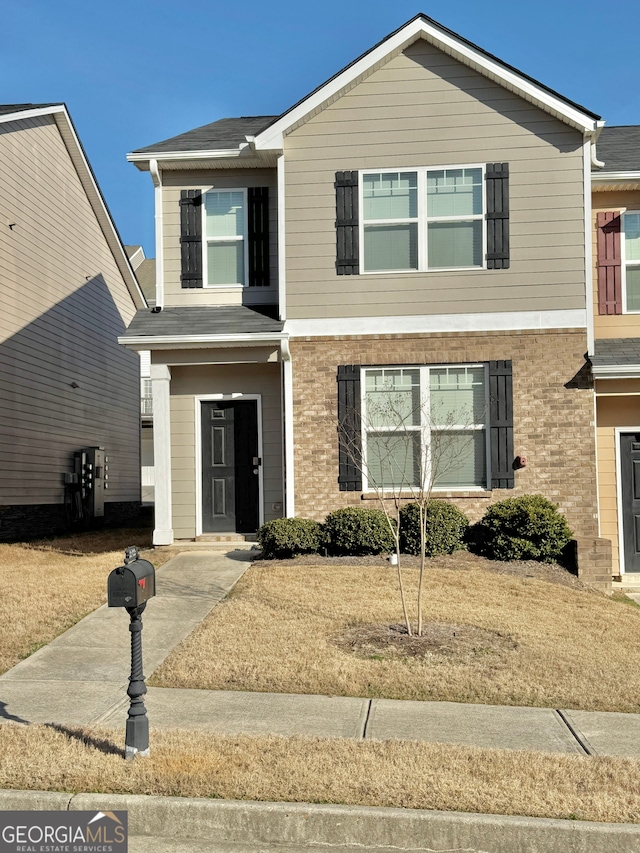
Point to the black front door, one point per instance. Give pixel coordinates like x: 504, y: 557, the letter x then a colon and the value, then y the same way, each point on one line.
x: 630, y: 470
x: 230, y: 492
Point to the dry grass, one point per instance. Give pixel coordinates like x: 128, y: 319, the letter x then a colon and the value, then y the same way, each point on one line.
x: 49, y: 585
x: 383, y: 773
x: 285, y: 626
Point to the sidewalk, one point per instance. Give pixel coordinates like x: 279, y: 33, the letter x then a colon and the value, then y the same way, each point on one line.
x: 81, y: 679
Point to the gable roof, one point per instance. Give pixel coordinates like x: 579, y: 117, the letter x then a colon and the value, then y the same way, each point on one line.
x: 456, y: 46
x: 16, y: 112
x: 265, y: 133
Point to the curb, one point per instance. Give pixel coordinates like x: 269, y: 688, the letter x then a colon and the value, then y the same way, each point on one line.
x: 327, y: 826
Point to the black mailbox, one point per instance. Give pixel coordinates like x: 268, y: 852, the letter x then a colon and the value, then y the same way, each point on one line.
x: 131, y: 585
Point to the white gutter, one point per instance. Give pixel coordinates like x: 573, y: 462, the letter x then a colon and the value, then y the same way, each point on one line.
x: 245, y: 339
x: 616, y: 371
x: 608, y: 177
x: 598, y: 164
x: 156, y: 177
x: 220, y: 154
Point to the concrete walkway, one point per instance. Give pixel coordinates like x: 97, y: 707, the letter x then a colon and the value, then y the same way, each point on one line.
x: 81, y: 679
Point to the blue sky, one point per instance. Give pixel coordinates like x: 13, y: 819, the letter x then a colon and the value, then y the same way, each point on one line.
x: 137, y: 72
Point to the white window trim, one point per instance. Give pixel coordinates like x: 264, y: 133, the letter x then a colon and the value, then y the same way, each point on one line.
x: 424, y: 428
x: 245, y: 237
x: 422, y: 218
x: 623, y: 260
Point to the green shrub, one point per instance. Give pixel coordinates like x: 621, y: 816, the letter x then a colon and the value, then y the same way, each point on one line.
x: 356, y: 531
x: 445, y: 528
x: 525, y: 528
x: 285, y: 537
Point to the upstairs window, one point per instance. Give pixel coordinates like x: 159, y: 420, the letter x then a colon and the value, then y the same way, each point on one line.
x: 631, y: 223
x: 428, y: 219
x: 225, y: 229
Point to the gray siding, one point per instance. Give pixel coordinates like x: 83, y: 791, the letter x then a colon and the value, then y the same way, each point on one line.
x: 64, y: 303
x: 226, y: 378
x: 422, y: 109
x: 173, y: 183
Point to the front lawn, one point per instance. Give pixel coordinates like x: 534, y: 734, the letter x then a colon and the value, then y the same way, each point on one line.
x: 496, y: 634
x: 402, y: 774
x: 49, y: 585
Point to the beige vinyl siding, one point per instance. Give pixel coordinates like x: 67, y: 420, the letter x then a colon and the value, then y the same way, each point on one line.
x: 425, y: 109
x: 173, y: 183
x: 187, y: 382
x: 612, y: 325
x: 64, y: 303
x: 613, y: 411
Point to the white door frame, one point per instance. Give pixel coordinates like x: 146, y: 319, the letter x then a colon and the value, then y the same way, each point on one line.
x: 618, y: 432
x: 233, y: 398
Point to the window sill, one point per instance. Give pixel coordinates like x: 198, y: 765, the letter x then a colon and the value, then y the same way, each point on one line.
x: 219, y: 287
x: 407, y: 496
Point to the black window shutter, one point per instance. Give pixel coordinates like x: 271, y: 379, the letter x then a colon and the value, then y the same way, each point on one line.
x: 258, y: 236
x: 347, y: 251
x: 349, y: 429
x: 497, y: 215
x: 191, y: 238
x: 501, y: 424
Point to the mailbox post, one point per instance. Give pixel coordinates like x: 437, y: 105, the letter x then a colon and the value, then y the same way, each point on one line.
x: 131, y: 586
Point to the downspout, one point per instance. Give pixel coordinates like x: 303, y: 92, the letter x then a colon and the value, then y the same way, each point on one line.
x: 156, y: 177
x: 287, y: 416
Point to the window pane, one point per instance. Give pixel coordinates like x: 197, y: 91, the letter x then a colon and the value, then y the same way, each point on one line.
x: 224, y: 214
x: 391, y: 247
x: 454, y: 192
x: 455, y: 244
x: 392, y: 398
x: 458, y: 459
x: 393, y: 459
x: 225, y: 263
x: 633, y: 288
x: 457, y: 396
x: 391, y: 195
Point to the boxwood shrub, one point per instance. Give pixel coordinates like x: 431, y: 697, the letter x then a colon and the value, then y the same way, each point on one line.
x: 357, y: 531
x: 445, y: 528
x: 524, y: 528
x: 286, y: 537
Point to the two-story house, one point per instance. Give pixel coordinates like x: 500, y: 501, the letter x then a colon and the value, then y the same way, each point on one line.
x: 616, y: 354
x: 418, y: 226
x: 67, y: 291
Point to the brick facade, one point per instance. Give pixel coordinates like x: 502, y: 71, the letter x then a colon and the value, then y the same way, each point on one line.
x: 553, y: 414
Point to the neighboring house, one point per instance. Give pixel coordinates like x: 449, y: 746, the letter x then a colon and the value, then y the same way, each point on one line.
x: 616, y: 357
x: 68, y: 291
x: 145, y: 270
x: 418, y: 224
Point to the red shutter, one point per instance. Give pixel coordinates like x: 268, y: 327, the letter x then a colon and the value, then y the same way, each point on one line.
x: 609, y: 263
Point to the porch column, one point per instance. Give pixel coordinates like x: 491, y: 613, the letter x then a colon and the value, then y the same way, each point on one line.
x: 287, y: 416
x: 160, y: 385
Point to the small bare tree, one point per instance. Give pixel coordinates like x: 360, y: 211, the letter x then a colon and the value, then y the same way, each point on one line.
x: 410, y: 439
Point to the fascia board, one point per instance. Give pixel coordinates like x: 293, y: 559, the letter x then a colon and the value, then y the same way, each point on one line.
x: 616, y: 371
x: 97, y: 202
x: 272, y: 137
x: 35, y: 113
x: 165, y: 341
x: 92, y: 190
